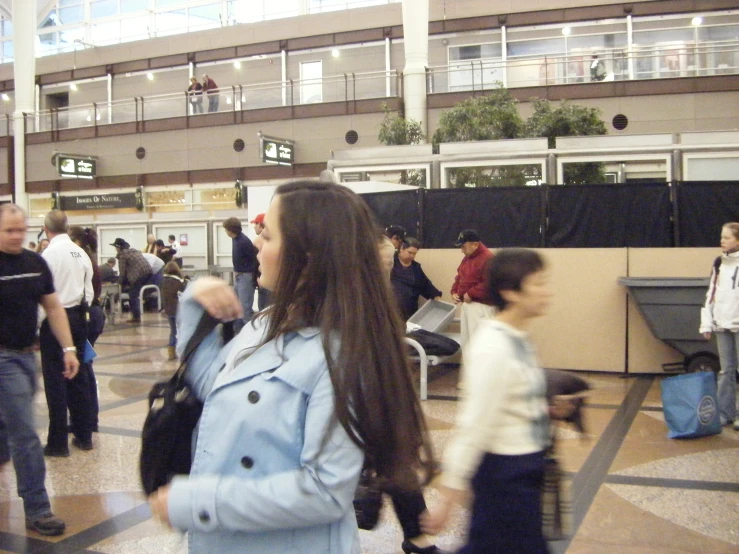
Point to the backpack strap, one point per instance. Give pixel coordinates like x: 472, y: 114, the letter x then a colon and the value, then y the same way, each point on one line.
x: 716, y: 269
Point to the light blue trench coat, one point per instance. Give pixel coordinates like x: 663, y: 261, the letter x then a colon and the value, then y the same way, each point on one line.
x: 266, y: 477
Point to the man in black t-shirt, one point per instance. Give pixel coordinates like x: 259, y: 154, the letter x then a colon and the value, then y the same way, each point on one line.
x: 26, y: 282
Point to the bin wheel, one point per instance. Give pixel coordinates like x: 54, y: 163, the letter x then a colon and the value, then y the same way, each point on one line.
x: 703, y: 362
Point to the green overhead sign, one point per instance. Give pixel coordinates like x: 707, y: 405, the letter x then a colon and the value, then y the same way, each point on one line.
x: 277, y: 151
x: 77, y: 167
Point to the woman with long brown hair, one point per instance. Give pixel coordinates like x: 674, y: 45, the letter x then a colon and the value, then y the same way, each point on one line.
x: 309, y: 389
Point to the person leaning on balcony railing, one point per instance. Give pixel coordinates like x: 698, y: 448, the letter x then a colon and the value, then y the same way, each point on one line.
x: 195, y: 92
x: 211, y: 91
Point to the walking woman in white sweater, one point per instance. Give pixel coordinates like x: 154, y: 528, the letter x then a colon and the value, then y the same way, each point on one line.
x: 720, y: 315
x: 503, y: 427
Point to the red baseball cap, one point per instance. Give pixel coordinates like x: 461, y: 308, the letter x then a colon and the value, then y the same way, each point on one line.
x: 259, y: 219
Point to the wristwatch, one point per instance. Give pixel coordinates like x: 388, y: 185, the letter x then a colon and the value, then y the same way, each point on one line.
x: 69, y: 349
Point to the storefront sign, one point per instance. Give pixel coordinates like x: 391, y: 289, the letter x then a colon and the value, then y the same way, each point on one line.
x: 79, y: 167
x: 99, y: 202
x: 277, y: 151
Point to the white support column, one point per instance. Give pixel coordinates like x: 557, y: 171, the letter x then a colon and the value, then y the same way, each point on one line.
x: 284, y: 77
x: 110, y: 98
x: 416, y: 42
x: 504, y: 53
x: 388, y: 90
x: 630, y: 46
x: 24, y: 71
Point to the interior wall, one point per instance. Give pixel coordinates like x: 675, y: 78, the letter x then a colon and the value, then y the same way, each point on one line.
x: 585, y: 328
x: 206, y: 148
x: 592, y: 324
x: 666, y: 113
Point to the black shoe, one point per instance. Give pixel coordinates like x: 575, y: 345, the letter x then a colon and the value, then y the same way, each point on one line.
x: 410, y: 548
x: 82, y: 445
x: 50, y: 452
x: 47, y: 524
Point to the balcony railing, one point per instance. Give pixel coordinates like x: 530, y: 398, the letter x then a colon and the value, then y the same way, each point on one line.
x: 653, y: 62
x: 339, y: 88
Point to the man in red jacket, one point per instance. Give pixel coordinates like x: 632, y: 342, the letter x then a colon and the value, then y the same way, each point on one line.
x: 469, y: 284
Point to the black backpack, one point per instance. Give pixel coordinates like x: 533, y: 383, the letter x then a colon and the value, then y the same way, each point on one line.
x: 433, y: 343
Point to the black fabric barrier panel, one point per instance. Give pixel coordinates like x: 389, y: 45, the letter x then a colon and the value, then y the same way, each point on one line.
x: 509, y: 216
x: 396, y: 208
x: 601, y: 216
x: 703, y: 207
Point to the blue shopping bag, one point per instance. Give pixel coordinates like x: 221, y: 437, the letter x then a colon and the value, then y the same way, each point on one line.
x: 690, y: 406
x: 89, y: 353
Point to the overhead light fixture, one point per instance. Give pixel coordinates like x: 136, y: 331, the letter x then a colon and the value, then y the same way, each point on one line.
x: 697, y: 20
x: 335, y: 53
x: 72, y: 86
x: 237, y: 64
x: 566, y: 31
x: 5, y: 97
x: 150, y: 76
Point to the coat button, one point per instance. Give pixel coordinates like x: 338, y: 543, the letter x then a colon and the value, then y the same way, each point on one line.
x: 204, y: 517
x: 253, y: 397
x: 247, y: 462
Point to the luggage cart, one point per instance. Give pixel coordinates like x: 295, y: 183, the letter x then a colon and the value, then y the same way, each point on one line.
x: 433, y: 316
x: 671, y: 308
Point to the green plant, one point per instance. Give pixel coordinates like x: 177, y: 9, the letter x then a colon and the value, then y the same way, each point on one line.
x: 567, y: 120
x: 397, y: 130
x: 490, y: 117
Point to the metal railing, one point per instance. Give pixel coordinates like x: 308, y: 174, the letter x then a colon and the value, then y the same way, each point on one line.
x: 338, y: 88
x: 649, y: 62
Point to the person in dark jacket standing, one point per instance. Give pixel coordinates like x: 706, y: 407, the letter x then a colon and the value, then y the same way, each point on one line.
x: 244, y: 257
x: 133, y: 270
x: 409, y: 280
x: 195, y: 92
x: 210, y: 88
x: 172, y: 284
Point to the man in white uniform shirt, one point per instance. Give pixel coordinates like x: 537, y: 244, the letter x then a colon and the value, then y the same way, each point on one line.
x: 157, y: 268
x: 72, y: 272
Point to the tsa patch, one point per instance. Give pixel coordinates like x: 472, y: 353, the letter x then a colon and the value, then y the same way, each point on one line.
x: 706, y: 410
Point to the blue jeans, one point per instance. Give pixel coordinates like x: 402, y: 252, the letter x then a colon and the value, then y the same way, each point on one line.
x: 133, y: 296
x: 172, y: 330
x: 728, y: 354
x: 244, y: 287
x: 17, y: 387
x: 213, y: 100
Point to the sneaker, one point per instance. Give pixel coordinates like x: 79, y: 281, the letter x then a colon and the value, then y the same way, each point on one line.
x: 51, y: 452
x: 82, y: 445
x: 736, y: 425
x: 47, y: 524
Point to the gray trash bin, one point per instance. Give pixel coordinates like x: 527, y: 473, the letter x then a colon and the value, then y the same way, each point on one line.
x: 671, y: 308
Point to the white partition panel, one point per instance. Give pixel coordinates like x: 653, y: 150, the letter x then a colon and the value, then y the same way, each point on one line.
x: 32, y: 235
x: 135, y: 235
x: 193, y: 239
x: 223, y: 244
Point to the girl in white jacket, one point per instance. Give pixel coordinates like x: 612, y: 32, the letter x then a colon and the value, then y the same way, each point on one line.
x: 720, y: 315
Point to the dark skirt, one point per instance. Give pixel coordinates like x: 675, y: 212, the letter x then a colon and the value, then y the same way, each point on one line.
x: 506, y: 513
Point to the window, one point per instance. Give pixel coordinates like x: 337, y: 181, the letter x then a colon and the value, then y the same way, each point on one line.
x: 73, y: 14
x: 311, y: 86
x: 6, y: 27
x: 103, y: 8
x: 205, y: 17
x: 128, y: 6
x: 105, y: 33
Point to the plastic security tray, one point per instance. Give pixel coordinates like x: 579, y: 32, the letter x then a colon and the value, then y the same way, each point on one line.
x: 434, y: 316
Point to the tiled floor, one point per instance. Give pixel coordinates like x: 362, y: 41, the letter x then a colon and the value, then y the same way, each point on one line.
x: 634, y: 490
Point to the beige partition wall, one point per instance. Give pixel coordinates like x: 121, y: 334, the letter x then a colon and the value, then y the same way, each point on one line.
x: 586, y: 327
x: 647, y: 353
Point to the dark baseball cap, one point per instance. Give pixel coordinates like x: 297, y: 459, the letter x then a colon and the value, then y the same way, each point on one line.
x: 120, y: 243
x: 468, y: 235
